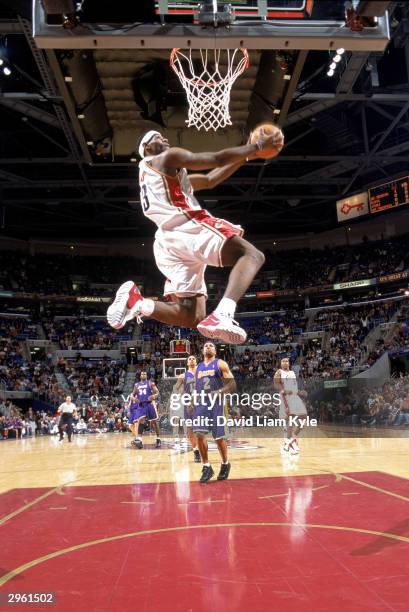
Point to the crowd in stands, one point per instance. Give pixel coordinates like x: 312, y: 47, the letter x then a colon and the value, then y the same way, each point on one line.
x: 275, y: 327
x: 85, y: 333
x: 301, y: 268
x: 73, y: 274
x: 11, y: 420
x: 18, y: 328
x: 400, y: 339
x: 105, y: 415
x: 381, y: 405
x: 347, y: 329
x: 14, y: 368
x: 66, y: 274
x: 18, y: 373
x: 93, y: 377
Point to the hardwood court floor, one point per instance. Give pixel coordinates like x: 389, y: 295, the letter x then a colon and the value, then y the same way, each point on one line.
x: 106, y: 527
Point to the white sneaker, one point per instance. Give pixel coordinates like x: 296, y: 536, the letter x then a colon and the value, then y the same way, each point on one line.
x: 222, y: 327
x: 293, y: 447
x: 125, y: 306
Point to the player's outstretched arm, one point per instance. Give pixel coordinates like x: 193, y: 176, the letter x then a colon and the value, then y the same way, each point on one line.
x: 218, y: 175
x: 176, y: 158
x: 181, y: 158
x: 214, y: 177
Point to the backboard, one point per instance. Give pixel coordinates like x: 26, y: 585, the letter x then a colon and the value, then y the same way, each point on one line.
x: 256, y: 24
x: 243, y: 9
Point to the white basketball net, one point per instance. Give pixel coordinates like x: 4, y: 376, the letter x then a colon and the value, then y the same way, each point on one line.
x: 208, y: 92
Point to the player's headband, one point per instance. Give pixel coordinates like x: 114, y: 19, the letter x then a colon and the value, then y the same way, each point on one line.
x: 145, y: 140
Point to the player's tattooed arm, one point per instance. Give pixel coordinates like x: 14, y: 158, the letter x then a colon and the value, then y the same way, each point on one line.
x: 214, y: 177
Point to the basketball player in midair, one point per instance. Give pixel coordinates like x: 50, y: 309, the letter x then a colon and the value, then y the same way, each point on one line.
x: 291, y: 404
x: 145, y: 392
x: 214, y: 379
x: 189, y: 238
x: 185, y: 384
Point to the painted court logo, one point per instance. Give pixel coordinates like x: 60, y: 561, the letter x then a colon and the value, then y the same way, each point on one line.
x: 184, y: 447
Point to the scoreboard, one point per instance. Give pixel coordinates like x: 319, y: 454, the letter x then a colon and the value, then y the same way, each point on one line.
x: 389, y: 195
x: 180, y: 346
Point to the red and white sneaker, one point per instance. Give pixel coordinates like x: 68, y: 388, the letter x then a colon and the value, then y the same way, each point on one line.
x: 125, y: 306
x: 293, y: 447
x: 222, y: 327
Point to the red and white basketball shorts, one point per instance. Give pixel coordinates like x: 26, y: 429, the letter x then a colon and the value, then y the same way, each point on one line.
x: 291, y: 404
x: 182, y: 255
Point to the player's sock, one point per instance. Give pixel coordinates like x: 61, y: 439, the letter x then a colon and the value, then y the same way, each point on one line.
x: 227, y: 307
x: 206, y: 465
x: 144, y: 307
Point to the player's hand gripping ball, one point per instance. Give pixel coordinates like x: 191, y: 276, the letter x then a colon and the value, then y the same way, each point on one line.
x: 269, y: 138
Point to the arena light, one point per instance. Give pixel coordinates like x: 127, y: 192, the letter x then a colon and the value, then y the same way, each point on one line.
x: 7, y: 71
x: 332, y: 66
x: 330, y: 73
x: 340, y: 51
x: 1, y: 62
x: 337, y: 58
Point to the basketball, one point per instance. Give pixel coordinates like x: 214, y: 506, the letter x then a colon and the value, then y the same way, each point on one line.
x: 262, y: 132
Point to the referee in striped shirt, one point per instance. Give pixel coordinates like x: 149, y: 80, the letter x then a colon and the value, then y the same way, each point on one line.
x: 67, y: 411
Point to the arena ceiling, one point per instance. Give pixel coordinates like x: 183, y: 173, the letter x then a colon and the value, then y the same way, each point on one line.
x: 70, y: 120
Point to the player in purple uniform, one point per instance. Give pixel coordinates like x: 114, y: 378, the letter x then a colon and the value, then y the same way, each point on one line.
x: 213, y: 380
x: 186, y: 384
x: 135, y: 414
x: 144, y: 395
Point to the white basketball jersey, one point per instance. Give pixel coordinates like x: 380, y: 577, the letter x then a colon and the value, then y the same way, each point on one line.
x: 289, y: 380
x: 168, y: 201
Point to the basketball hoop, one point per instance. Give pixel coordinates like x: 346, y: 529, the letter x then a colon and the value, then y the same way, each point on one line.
x: 208, y: 87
